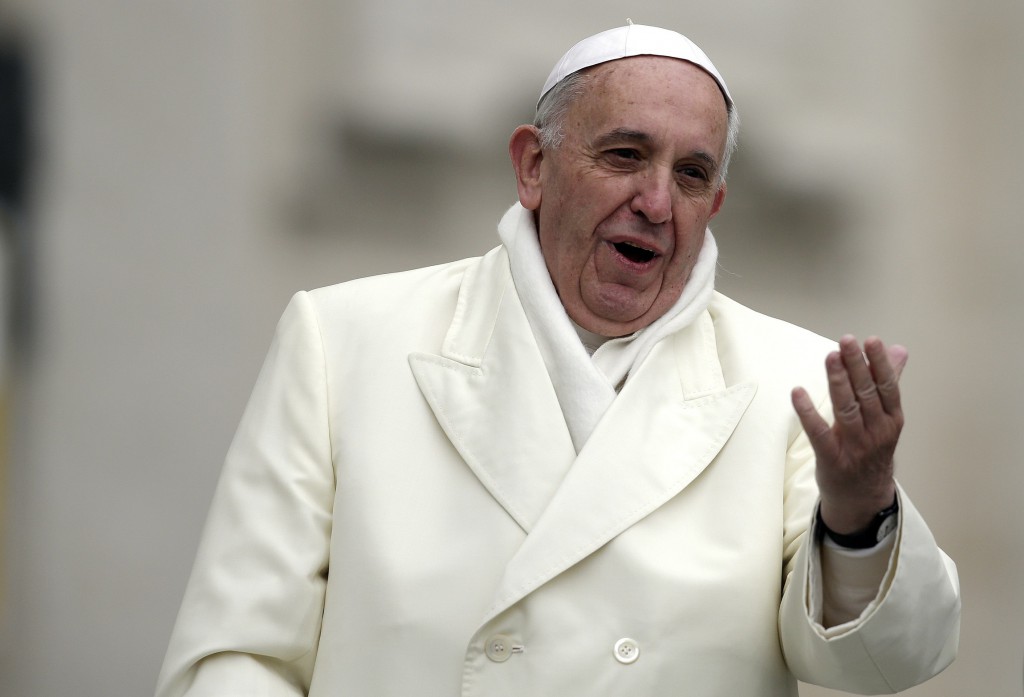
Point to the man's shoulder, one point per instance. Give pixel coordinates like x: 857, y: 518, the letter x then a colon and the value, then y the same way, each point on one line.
x: 395, y: 285
x: 732, y: 315
x: 403, y: 298
x: 750, y: 340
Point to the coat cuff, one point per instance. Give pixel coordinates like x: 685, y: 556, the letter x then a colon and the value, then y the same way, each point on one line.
x: 908, y: 633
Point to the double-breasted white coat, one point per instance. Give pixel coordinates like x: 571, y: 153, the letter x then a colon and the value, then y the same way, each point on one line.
x: 402, y: 513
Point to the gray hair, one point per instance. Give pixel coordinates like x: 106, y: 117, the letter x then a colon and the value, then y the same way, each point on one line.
x: 553, y: 107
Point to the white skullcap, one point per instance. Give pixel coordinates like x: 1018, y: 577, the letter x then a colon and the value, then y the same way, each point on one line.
x: 632, y: 40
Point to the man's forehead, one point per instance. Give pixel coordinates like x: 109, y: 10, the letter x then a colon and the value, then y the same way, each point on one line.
x: 621, y: 92
x: 652, y: 102
x: 656, y: 66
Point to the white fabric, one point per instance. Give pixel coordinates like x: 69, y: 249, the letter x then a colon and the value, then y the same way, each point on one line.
x: 631, y: 40
x: 585, y: 373
x: 591, y: 341
x: 586, y: 385
x: 400, y: 492
x: 851, y: 580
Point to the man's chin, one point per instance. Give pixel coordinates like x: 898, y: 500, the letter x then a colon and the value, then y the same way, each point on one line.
x: 614, y: 320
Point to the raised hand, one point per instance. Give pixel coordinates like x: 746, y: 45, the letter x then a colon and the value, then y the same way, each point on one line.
x: 855, y: 454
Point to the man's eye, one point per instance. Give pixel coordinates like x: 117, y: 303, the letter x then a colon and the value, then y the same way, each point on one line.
x: 693, y: 173
x: 625, y: 153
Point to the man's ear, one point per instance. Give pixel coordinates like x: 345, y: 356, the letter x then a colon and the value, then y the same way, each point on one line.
x: 525, y: 151
x: 719, y: 200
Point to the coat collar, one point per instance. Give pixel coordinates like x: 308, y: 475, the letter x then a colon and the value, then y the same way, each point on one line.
x: 491, y: 394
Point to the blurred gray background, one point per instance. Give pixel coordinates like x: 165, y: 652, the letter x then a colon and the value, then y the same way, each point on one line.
x: 196, y: 162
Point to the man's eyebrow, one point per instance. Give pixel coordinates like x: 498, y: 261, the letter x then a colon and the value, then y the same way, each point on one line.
x: 707, y: 159
x: 618, y: 135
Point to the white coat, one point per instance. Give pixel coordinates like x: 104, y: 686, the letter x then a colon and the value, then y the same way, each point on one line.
x: 402, y: 513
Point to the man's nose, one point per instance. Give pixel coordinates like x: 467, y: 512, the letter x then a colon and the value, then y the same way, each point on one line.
x: 653, y: 197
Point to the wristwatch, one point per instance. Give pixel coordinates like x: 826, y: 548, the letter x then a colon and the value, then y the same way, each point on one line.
x: 884, y: 522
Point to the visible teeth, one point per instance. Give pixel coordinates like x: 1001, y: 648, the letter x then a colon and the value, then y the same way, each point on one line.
x: 634, y: 253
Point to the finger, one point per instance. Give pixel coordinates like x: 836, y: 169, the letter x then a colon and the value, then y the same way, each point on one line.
x: 898, y: 356
x: 845, y: 404
x: 886, y: 365
x: 817, y: 429
x: 861, y: 379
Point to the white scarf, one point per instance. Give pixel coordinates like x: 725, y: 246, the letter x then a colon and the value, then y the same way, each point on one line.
x: 586, y: 385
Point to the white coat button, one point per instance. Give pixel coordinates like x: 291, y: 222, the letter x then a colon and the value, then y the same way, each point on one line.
x: 626, y: 651
x: 498, y: 648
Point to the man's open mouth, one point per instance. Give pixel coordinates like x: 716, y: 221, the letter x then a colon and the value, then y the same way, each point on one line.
x: 635, y: 254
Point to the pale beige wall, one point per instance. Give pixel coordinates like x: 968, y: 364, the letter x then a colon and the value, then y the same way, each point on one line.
x: 204, y: 160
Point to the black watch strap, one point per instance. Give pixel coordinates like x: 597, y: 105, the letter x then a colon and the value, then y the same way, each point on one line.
x: 880, y: 526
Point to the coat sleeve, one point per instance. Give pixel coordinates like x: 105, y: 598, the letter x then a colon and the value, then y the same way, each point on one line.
x: 250, y: 620
x: 908, y: 633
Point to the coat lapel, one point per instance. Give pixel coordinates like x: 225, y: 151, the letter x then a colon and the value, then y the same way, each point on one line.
x: 490, y: 392
x: 668, y: 423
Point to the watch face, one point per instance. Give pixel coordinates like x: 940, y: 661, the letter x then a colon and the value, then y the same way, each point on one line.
x: 887, y: 527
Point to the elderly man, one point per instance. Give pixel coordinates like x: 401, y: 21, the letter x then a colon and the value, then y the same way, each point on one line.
x: 569, y: 467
